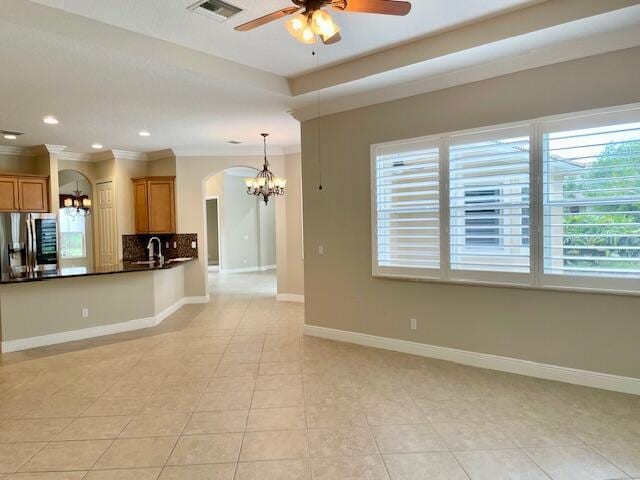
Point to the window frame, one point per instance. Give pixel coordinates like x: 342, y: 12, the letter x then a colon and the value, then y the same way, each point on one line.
x: 83, y: 233
x: 403, y: 272
x: 536, y: 278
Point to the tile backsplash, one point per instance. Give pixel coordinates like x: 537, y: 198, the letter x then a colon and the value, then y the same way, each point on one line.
x: 134, y: 247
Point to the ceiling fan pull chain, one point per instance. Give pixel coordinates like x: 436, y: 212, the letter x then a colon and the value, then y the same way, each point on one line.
x: 316, y: 54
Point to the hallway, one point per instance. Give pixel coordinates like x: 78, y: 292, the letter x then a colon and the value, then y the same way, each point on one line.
x: 259, y: 284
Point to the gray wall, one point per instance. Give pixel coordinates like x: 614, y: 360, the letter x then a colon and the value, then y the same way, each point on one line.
x: 212, y: 232
x: 241, y: 226
x: 267, y: 232
x: 594, y: 332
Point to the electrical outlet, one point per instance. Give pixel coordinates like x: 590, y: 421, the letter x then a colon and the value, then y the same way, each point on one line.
x: 175, y: 244
x: 320, y: 249
x: 194, y: 245
x: 85, y: 312
x: 414, y: 324
x: 166, y: 244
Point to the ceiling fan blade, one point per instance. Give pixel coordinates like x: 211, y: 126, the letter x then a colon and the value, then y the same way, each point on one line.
x: 258, y: 22
x: 334, y: 39
x: 384, y: 7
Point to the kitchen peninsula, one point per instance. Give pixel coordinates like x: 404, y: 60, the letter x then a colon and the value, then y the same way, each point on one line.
x: 58, y: 285
x: 78, y: 303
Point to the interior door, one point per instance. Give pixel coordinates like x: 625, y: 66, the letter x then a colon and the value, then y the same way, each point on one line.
x: 106, y: 224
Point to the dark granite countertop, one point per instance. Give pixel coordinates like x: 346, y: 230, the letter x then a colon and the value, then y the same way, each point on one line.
x: 71, y: 272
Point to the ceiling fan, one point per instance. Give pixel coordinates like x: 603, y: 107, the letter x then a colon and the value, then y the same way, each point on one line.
x: 314, y: 22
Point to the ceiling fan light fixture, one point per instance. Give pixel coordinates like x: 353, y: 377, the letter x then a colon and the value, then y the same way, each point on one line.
x: 323, y: 24
x: 299, y: 28
x: 296, y: 25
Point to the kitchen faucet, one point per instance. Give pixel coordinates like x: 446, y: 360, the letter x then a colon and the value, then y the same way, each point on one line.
x: 151, y: 251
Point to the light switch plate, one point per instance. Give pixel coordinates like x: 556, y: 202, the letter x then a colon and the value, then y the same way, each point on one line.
x: 85, y: 312
x: 320, y: 249
x: 194, y: 245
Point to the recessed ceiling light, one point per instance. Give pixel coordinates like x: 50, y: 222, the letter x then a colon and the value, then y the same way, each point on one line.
x: 144, y: 133
x: 10, y: 134
x: 97, y: 146
x: 49, y: 120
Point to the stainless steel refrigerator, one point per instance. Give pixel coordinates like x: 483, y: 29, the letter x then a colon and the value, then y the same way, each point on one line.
x: 29, y: 243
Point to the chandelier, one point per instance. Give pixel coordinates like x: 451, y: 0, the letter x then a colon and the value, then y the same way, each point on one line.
x: 265, y: 183
x: 78, y: 203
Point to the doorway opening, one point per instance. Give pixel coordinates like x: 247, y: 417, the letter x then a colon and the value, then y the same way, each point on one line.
x: 76, y: 243
x: 241, y: 236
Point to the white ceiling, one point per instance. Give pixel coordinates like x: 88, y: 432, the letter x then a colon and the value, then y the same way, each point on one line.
x: 105, y: 84
x: 106, y: 97
x: 270, y: 47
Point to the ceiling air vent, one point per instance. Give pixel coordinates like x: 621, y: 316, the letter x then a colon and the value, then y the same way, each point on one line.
x: 215, y: 9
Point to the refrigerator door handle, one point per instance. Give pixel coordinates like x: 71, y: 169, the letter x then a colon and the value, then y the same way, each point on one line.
x: 30, y: 243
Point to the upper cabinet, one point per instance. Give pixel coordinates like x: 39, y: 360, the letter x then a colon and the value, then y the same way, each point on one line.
x: 21, y: 193
x: 154, y: 203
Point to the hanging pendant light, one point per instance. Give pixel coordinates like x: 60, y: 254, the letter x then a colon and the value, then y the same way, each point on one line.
x: 265, y: 183
x: 78, y: 203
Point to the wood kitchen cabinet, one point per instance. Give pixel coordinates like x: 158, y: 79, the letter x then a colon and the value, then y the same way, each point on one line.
x: 154, y: 203
x: 24, y: 193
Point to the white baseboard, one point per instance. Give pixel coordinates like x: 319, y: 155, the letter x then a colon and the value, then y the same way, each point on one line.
x: 289, y: 297
x: 99, y: 331
x: 483, y: 360
x: 202, y: 299
x: 263, y: 268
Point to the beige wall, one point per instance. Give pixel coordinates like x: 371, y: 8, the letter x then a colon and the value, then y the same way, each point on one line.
x: 569, y: 329
x: 17, y: 164
x: 125, y: 212
x: 293, y: 280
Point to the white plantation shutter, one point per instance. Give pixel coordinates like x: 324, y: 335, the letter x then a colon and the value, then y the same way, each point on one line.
x: 550, y: 203
x: 489, y: 202
x: 592, y: 199
x: 406, y: 195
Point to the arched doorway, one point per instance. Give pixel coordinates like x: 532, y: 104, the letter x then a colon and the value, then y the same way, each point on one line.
x: 76, y: 242
x: 241, y: 235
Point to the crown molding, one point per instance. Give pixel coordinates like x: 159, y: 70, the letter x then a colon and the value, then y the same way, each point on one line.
x: 75, y: 157
x: 392, y: 90
x: 55, y: 149
x: 536, y: 17
x: 160, y: 154
x: 292, y: 150
x: 17, y: 151
x: 127, y: 155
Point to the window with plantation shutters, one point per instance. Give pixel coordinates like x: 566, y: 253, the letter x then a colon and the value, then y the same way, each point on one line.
x: 550, y: 203
x: 406, y: 194
x: 592, y: 200
x: 489, y: 201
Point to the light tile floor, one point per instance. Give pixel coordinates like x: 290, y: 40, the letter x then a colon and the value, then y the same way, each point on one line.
x: 232, y: 390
